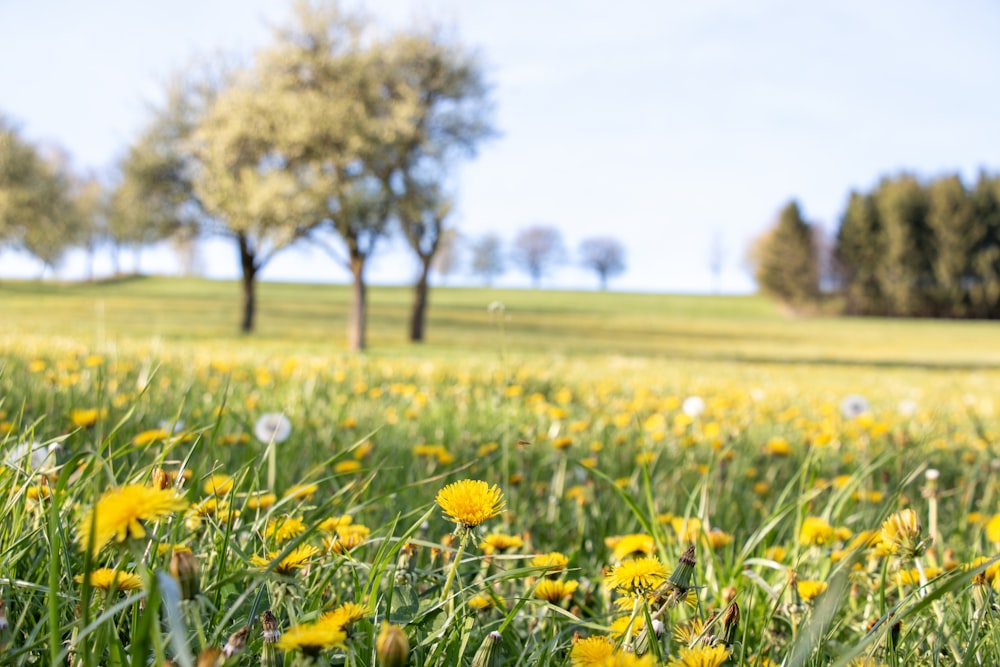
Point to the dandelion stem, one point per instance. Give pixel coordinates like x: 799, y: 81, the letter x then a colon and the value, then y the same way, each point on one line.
x: 454, y: 565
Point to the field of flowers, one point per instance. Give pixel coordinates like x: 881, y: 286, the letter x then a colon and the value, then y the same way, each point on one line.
x: 211, y: 505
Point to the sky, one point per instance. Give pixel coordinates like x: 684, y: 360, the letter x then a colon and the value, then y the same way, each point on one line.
x: 679, y: 127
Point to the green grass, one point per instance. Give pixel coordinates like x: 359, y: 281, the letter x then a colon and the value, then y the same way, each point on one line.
x: 572, y: 404
x: 312, y: 319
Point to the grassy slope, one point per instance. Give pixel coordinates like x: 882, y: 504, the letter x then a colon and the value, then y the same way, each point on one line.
x: 312, y: 319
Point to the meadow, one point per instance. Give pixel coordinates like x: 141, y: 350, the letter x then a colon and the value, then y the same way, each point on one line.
x: 553, y: 478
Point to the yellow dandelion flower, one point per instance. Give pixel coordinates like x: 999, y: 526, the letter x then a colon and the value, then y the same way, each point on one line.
x: 865, y: 662
x: 218, y: 485
x: 777, y: 446
x: 702, y: 656
x: 563, y: 442
x: 479, y: 602
x: 347, y: 538
x: 620, y: 624
x: 591, y: 651
x: 345, y: 614
x: 84, y: 417
x: 297, y: 558
x: 628, y: 546
x: 346, y: 467
x: 118, y: 513
x: 261, y: 501
x: 993, y: 529
x: 552, y: 590
x: 687, y: 530
x: 775, y: 553
x: 470, y: 502
x: 810, y: 590
x: 912, y: 577
x: 686, y: 633
x: 553, y: 562
x: 311, y: 637
x: 637, y: 576
x: 282, y: 529
x: 815, y: 531
x: 500, y: 543
x: 718, y: 539
x: 901, y: 534
x: 301, y: 491
x: 152, y: 435
x: 334, y: 523
x: 210, y: 507
x: 105, y: 578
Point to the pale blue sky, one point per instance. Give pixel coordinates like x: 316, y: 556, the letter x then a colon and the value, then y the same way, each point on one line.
x: 662, y: 122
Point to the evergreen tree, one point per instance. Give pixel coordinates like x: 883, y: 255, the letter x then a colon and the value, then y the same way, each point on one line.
x: 906, y: 275
x: 787, y: 266
x: 983, y: 283
x: 858, y: 254
x: 951, y: 218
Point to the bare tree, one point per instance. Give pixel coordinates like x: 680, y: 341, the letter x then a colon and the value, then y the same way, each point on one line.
x: 537, y: 249
x: 448, y: 259
x: 604, y: 255
x: 487, y: 258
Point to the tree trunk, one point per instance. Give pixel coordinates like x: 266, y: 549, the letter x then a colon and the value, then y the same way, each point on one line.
x: 418, y: 316
x: 357, y: 319
x: 249, y: 270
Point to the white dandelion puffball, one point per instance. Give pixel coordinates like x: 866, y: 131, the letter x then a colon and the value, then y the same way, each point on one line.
x: 693, y: 406
x: 854, y: 405
x: 272, y: 427
x: 172, y: 426
x: 907, y: 407
x: 34, y: 455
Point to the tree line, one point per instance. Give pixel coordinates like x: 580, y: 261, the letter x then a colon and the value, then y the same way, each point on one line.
x: 907, y: 248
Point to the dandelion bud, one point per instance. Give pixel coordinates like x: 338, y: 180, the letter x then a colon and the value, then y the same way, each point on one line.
x: 270, y: 654
x: 184, y: 569
x: 901, y: 534
x: 162, y: 479
x: 237, y: 641
x: 490, y: 653
x: 680, y: 578
x: 406, y: 564
x: 641, y: 646
x: 392, y: 646
x: 730, y: 624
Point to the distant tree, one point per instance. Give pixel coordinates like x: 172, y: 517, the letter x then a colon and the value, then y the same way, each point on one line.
x: 447, y: 115
x: 48, y: 240
x: 906, y: 275
x: 245, y: 184
x: 785, y: 260
x: 92, y: 200
x: 448, y: 259
x: 536, y: 250
x: 37, y: 209
x: 155, y: 193
x: 858, y: 253
x: 422, y: 213
x: 487, y: 258
x: 951, y: 219
x: 984, y: 282
x: 605, y: 256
